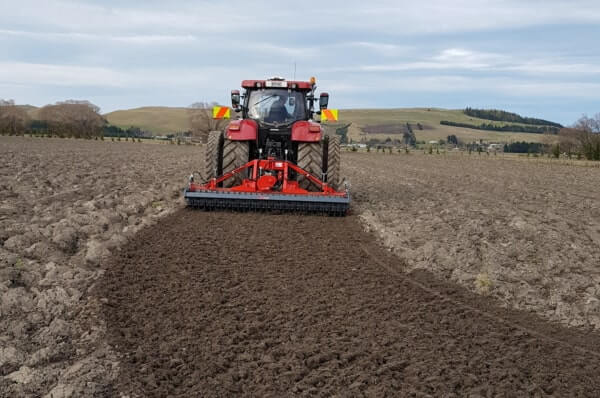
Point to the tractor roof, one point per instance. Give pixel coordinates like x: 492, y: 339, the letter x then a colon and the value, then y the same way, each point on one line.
x: 277, y: 83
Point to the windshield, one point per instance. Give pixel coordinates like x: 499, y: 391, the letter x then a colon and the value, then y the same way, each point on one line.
x: 276, y: 106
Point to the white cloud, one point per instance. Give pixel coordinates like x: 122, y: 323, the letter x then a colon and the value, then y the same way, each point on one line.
x: 69, y: 37
x: 584, y: 90
x: 154, y: 39
x: 440, y: 16
x: 508, y: 86
x: 59, y: 75
x: 556, y: 67
x: 276, y: 50
x: 392, y: 17
x: 468, y: 60
x: 167, y: 40
x: 21, y: 73
x: 385, y: 49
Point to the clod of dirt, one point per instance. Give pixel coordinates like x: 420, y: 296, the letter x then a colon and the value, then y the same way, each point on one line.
x: 60, y: 391
x: 10, y: 358
x: 66, y: 239
x: 95, y: 251
x: 18, y: 243
x: 23, y: 376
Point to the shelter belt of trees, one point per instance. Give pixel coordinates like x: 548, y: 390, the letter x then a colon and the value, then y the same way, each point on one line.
x: 64, y: 119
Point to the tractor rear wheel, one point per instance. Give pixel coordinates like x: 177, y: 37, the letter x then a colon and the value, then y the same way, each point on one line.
x: 333, y: 162
x: 235, y: 154
x: 213, y: 156
x: 310, y: 158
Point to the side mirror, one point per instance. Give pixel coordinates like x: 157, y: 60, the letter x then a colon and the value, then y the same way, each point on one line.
x: 235, y: 99
x: 323, y: 101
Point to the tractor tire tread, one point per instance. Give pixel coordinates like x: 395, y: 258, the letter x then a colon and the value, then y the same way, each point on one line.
x: 211, y: 155
x: 235, y: 154
x: 333, y: 162
x: 310, y: 158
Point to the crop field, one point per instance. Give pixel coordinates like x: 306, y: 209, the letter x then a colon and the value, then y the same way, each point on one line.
x: 455, y: 275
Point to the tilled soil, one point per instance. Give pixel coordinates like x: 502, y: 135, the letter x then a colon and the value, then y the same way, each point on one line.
x: 217, y: 304
x: 521, y: 233
x: 526, y: 232
x: 65, y: 205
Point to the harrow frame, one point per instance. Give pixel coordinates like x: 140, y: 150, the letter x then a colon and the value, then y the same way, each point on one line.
x: 268, y: 187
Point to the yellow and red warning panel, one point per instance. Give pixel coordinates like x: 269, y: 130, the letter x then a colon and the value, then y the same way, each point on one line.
x: 221, y: 112
x: 329, y: 115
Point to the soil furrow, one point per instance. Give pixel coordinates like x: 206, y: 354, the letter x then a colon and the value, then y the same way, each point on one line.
x: 218, y: 304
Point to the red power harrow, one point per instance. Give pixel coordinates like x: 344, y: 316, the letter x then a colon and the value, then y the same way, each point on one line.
x: 268, y: 187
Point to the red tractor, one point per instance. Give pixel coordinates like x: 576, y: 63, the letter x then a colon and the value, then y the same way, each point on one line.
x: 275, y: 156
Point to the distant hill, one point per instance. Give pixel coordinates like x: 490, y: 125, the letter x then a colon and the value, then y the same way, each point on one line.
x: 366, y: 123
x: 503, y: 116
x: 425, y: 122
x: 156, y: 119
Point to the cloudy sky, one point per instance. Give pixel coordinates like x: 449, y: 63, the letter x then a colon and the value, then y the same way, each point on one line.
x: 537, y: 58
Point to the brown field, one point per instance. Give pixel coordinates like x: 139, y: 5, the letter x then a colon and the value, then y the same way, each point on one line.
x: 65, y: 204
x: 456, y: 275
x: 525, y: 231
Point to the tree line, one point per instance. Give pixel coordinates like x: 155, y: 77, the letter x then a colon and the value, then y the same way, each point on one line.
x: 582, y: 139
x: 505, y: 127
x: 110, y: 130
x: 82, y: 119
x: 69, y: 118
x: 503, y: 116
x: 523, y: 147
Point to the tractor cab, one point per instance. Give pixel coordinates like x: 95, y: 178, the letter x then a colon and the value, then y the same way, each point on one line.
x: 275, y: 100
x: 279, y: 112
x: 275, y: 107
x: 275, y: 110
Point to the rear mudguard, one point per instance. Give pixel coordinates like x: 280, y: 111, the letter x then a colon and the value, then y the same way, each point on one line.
x: 305, y: 131
x: 242, y: 130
